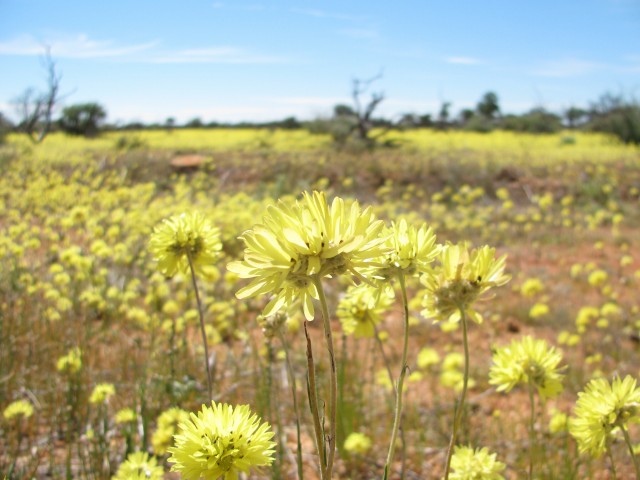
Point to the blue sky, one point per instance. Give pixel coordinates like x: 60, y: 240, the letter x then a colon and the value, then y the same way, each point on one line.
x: 257, y: 60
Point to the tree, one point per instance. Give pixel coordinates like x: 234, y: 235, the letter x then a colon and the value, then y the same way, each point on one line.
x: 364, y: 112
x: 35, y: 109
x: 443, y: 115
x: 83, y: 119
x: 574, y: 116
x: 5, y: 127
x: 488, y: 106
x: 617, y: 115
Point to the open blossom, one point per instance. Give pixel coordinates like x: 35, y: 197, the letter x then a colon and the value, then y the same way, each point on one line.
x: 524, y: 361
x: 139, y: 466
x: 462, y: 278
x: 221, y: 441
x: 298, y: 244
x: 181, y: 237
x: 361, y: 309
x: 478, y: 464
x: 601, y: 408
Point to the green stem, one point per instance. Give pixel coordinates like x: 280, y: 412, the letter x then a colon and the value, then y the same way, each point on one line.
x: 532, y: 431
x: 294, y: 389
x: 333, y: 380
x: 202, y: 329
x: 460, y: 407
x: 627, y: 440
x: 399, y: 387
x: 313, y: 404
x: 613, y: 465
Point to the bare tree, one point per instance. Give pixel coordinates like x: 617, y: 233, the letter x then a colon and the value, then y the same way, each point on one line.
x: 35, y: 109
x: 364, y: 112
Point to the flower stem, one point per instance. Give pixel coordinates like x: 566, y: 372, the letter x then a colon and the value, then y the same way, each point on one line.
x: 613, y: 465
x: 460, y: 407
x: 292, y: 381
x: 333, y: 380
x: 627, y: 440
x: 313, y: 404
x: 400, y: 386
x: 202, y: 330
x: 532, y: 431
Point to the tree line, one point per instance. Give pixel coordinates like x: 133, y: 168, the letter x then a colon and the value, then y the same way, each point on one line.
x: 354, y: 123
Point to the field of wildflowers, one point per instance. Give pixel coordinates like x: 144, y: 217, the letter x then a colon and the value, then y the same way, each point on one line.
x: 461, y: 306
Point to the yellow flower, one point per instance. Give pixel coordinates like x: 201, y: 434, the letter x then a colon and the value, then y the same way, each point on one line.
x: 297, y: 244
x: 531, y: 287
x: 168, y: 422
x: 361, y: 309
x: 221, y: 441
x: 411, y: 249
x: 139, y: 466
x: 460, y: 280
x: 19, y: 408
x: 357, y: 443
x: 125, y: 415
x: 524, y: 361
x: 478, y: 464
x: 601, y: 408
x: 101, y: 393
x: 181, y: 237
x: 71, y: 362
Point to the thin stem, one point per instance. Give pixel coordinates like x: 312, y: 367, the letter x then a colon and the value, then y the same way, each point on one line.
x: 294, y: 389
x: 333, y: 380
x: 613, y: 465
x: 532, y: 431
x: 463, y: 394
x: 399, y: 387
x: 202, y: 330
x: 313, y: 404
x: 627, y: 440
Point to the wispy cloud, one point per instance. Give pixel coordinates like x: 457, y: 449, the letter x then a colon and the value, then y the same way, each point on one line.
x: 569, y: 67
x: 313, y: 12
x: 71, y: 46
x: 463, y: 60
x: 361, y: 33
x: 221, y: 54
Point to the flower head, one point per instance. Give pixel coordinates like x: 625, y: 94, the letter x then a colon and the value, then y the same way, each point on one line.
x: 181, y: 237
x: 168, y: 422
x: 71, y: 362
x: 357, y: 443
x: 601, y: 408
x: 478, y: 464
x: 461, y: 279
x: 101, y: 393
x: 221, y: 441
x: 411, y: 249
x: 361, y: 309
x: 297, y: 244
x: 527, y: 360
x: 125, y: 415
x: 139, y: 466
x: 19, y: 408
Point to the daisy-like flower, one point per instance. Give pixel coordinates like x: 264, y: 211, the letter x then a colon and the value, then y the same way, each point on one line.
x: 168, y: 422
x: 601, y: 408
x: 361, y: 309
x: 125, y: 415
x: 183, y: 236
x: 221, y: 441
x: 478, y: 464
x: 527, y: 360
x: 139, y: 466
x: 461, y: 279
x: 357, y: 443
x: 19, y: 408
x: 299, y: 243
x: 71, y: 362
x: 411, y: 249
x: 101, y: 393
